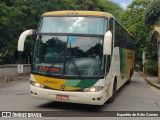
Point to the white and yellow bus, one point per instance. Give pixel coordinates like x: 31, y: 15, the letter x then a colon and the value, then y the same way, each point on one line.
x: 79, y: 57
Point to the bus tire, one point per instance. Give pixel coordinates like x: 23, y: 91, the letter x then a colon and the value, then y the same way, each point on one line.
x: 111, y: 99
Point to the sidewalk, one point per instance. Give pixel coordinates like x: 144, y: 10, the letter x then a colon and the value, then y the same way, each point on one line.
x: 151, y: 79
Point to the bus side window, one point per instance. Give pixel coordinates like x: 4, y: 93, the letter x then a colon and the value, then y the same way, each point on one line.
x: 117, y: 34
x: 111, y: 24
x: 108, y: 60
x: 111, y: 28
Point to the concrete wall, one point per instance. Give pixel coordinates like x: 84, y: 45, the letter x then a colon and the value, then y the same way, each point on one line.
x: 11, y: 70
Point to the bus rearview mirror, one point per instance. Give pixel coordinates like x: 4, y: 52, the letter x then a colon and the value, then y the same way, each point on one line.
x: 22, y: 38
x: 107, y: 46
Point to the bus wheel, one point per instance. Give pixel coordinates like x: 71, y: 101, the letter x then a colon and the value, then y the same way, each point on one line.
x: 111, y: 99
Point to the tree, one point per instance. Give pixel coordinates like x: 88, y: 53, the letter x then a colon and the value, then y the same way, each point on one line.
x: 10, y: 26
x: 152, y: 13
x: 132, y: 19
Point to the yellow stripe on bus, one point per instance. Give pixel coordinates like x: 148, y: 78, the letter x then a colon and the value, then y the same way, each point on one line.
x: 54, y: 83
x: 130, y: 56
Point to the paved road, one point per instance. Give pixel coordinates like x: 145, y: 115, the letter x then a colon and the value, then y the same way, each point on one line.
x: 137, y: 96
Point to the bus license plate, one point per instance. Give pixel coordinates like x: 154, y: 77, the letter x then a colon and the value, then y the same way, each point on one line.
x: 62, y: 97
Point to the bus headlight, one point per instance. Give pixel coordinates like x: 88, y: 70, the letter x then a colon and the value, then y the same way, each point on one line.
x: 36, y: 84
x: 93, y: 89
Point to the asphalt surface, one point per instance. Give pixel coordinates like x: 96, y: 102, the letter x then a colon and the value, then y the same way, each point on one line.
x: 137, y: 96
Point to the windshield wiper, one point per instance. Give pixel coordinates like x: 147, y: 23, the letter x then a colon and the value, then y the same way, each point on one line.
x: 74, y: 65
x: 58, y: 59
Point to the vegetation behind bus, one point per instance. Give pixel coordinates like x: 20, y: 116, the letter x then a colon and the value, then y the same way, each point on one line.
x: 133, y: 20
x: 152, y: 17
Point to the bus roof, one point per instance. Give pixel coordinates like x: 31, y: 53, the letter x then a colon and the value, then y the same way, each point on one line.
x: 78, y: 13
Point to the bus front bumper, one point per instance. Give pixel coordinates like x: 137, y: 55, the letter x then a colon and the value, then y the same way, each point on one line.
x: 92, y: 98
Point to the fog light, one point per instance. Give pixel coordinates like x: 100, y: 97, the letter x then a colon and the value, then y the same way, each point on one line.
x: 99, y: 98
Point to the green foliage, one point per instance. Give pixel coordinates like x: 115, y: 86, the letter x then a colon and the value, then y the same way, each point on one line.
x: 132, y: 19
x: 151, y: 67
x: 10, y: 26
x: 139, y: 66
x: 19, y: 15
x: 152, y: 13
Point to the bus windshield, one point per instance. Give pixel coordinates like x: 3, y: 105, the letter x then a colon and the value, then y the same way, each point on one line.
x: 77, y: 25
x: 69, y: 56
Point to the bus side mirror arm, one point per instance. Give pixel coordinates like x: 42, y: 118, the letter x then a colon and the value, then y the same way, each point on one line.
x: 107, y: 46
x: 22, y: 38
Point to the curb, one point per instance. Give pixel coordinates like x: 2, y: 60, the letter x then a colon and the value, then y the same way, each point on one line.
x: 149, y: 81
